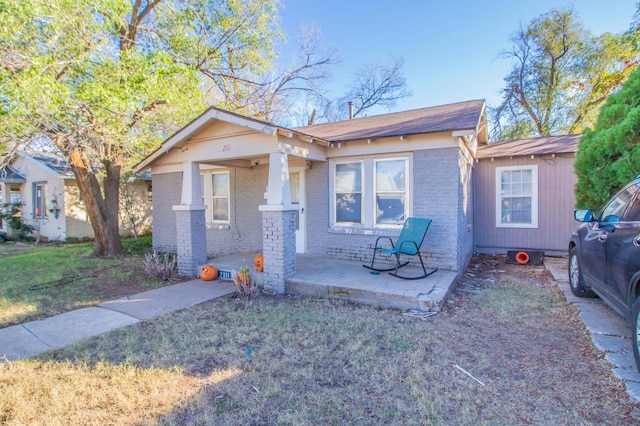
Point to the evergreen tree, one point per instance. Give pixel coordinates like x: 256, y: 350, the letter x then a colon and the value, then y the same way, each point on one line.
x: 609, y: 155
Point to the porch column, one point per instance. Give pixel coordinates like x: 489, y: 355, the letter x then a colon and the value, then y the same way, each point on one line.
x: 278, y: 227
x: 190, y: 223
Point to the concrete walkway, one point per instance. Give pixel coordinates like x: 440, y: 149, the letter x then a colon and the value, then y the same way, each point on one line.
x: 609, y: 332
x: 35, y: 337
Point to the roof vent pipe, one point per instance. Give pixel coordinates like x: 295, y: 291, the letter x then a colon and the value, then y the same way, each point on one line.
x: 350, y: 110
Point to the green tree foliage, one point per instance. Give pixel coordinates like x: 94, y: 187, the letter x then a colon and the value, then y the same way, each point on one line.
x: 561, y: 76
x: 609, y: 155
x: 106, y: 80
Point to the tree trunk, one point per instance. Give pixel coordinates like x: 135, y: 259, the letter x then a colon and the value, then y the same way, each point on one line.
x: 102, y: 211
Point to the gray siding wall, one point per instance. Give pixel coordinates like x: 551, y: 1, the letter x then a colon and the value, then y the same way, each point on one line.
x: 243, y: 234
x: 556, y: 181
x: 438, y: 187
x: 441, y: 191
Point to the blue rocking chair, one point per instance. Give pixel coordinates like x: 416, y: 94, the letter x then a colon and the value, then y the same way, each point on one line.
x: 408, y: 243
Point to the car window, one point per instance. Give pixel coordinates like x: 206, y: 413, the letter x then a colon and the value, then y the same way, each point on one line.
x: 614, y: 211
x: 634, y: 211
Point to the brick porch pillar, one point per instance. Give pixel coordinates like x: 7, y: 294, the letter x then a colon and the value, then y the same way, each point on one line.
x: 278, y: 247
x: 192, y: 240
x: 190, y: 223
x: 278, y: 227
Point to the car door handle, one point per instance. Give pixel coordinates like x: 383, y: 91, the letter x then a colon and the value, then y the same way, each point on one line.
x: 602, y: 238
x: 636, y: 241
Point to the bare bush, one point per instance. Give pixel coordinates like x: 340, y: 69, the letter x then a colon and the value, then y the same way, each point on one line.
x: 246, y: 286
x: 162, y: 266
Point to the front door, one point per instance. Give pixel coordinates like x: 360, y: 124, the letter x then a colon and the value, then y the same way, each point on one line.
x: 297, y: 184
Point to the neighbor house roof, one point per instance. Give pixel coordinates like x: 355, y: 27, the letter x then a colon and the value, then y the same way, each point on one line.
x: 534, y: 146
x: 443, y: 118
x: 56, y: 163
x: 9, y: 175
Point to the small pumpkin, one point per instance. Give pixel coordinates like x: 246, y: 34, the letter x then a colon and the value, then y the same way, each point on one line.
x: 208, y: 273
x: 258, y: 263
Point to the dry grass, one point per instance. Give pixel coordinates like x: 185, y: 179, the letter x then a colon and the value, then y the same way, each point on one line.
x: 305, y: 361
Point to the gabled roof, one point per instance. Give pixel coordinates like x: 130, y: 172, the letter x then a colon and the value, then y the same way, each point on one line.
x: 9, y: 175
x: 52, y: 162
x: 444, y: 118
x: 212, y: 113
x: 534, y: 146
x: 56, y: 163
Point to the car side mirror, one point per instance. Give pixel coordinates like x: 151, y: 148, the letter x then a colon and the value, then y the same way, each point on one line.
x: 584, y: 215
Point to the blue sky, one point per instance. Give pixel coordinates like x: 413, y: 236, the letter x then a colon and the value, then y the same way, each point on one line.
x: 451, y: 48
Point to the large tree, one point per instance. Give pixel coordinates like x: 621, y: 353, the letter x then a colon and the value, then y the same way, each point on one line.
x: 106, y: 80
x: 609, y: 155
x: 561, y: 76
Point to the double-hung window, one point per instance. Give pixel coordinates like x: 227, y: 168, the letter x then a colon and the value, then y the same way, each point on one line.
x: 391, y: 191
x: 215, y: 193
x: 370, y: 191
x: 348, y: 193
x: 517, y: 197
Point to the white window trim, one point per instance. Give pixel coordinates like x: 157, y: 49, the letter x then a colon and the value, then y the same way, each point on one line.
x: 207, y: 195
x: 368, y: 194
x: 534, y: 197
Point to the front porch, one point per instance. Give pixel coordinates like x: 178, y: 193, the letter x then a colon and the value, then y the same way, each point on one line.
x: 323, y: 277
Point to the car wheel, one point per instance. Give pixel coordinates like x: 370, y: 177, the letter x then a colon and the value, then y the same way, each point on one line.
x: 635, y: 331
x: 576, y: 280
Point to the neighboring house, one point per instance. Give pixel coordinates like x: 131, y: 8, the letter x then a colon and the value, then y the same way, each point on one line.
x: 524, y: 195
x: 51, y: 202
x: 226, y: 183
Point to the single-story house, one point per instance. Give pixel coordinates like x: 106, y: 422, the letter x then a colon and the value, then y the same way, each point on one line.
x: 46, y: 187
x: 226, y: 184
x: 524, y: 195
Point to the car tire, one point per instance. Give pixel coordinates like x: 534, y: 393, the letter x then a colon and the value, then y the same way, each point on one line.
x: 576, y: 279
x: 635, y: 330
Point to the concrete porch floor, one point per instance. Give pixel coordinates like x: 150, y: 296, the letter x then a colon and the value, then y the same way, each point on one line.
x: 339, y: 279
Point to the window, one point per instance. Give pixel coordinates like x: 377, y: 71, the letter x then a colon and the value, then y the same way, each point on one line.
x: 39, y: 200
x: 517, y: 197
x: 220, y: 196
x: 391, y: 191
x: 215, y: 194
x: 614, y: 211
x: 348, y: 190
x: 370, y: 192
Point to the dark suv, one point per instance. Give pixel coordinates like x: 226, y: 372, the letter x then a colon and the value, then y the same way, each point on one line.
x: 604, y: 256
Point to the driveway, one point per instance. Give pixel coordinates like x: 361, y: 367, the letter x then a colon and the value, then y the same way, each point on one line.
x: 609, y: 332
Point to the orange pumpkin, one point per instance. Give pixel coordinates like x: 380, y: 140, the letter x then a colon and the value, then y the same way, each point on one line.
x: 258, y: 263
x: 208, y: 273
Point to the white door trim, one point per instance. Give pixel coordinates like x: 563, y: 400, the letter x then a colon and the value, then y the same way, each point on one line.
x: 301, y: 232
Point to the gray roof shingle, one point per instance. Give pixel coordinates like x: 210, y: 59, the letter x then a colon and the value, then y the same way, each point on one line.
x: 10, y: 175
x: 534, y: 146
x: 457, y: 116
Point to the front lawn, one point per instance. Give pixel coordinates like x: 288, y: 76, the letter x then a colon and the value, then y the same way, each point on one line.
x: 37, y: 281
x: 506, y: 349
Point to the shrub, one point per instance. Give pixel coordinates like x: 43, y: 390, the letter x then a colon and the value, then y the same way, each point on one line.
x: 162, y: 266
x: 10, y: 213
